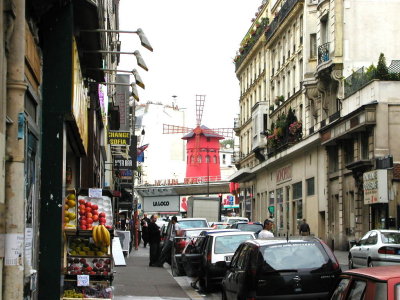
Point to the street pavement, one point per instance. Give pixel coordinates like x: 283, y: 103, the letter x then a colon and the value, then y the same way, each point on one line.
x: 138, y: 281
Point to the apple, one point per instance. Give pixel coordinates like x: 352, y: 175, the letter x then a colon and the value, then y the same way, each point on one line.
x: 94, y: 211
x: 88, y: 209
x: 82, y: 212
x: 92, y: 273
x: 83, y: 227
x: 89, y: 220
x: 108, y: 226
x: 105, y: 273
x: 95, y: 207
x: 102, y: 219
x: 81, y: 201
x: 89, y: 215
x: 82, y: 222
x: 82, y: 206
x: 95, y: 218
x: 89, y: 268
x: 89, y: 204
x: 102, y: 215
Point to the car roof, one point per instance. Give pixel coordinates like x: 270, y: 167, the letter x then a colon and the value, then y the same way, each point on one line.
x: 192, y: 219
x: 195, y: 228
x: 379, y: 273
x: 251, y: 223
x: 386, y: 230
x: 210, y: 231
x: 219, y: 233
x: 280, y: 240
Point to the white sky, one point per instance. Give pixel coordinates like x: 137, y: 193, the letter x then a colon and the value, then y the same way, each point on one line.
x: 194, y: 45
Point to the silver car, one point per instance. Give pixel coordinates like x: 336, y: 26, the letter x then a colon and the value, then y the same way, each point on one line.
x: 376, y: 248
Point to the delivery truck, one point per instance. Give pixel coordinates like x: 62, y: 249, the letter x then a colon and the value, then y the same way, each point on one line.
x: 204, y: 207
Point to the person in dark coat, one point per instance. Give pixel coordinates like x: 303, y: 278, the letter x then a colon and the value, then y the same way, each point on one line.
x: 304, y: 228
x: 144, y: 223
x: 154, y: 240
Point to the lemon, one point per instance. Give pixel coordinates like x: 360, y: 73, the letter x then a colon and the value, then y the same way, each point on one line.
x: 71, y: 197
x: 71, y: 203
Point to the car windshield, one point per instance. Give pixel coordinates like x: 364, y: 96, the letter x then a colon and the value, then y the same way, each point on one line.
x: 233, y: 221
x: 294, y: 256
x: 192, y: 223
x: 391, y: 237
x: 229, y: 243
x: 250, y: 227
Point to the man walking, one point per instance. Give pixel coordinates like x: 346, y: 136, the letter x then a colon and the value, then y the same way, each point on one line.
x: 144, y: 223
x: 166, y: 250
x: 154, y: 240
x: 267, y: 230
x: 304, y: 229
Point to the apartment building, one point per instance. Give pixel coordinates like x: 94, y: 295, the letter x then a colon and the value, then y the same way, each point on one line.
x: 298, y: 156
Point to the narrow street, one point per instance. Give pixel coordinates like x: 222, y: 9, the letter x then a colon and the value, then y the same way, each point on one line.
x: 139, y: 281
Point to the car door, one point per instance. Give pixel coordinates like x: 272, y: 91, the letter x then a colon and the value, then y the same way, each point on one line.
x: 367, y: 247
x: 356, y: 251
x: 228, y: 283
x: 191, y: 261
x: 238, y: 273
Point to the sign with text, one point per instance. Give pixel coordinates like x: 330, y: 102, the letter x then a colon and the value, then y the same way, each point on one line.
x: 375, y: 186
x: 83, y: 280
x: 284, y: 174
x: 118, y: 138
x: 161, y: 204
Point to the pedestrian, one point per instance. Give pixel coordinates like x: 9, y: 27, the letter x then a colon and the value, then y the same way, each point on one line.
x: 304, y: 229
x: 144, y: 223
x: 165, y: 255
x: 267, y: 230
x: 154, y: 240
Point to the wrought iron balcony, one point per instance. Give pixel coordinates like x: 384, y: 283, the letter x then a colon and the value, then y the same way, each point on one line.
x: 281, y: 16
x: 323, y: 53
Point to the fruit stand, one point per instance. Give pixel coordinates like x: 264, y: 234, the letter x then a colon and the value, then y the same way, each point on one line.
x: 88, y: 230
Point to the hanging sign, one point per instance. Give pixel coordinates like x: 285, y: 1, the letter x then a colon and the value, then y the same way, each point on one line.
x: 375, y: 185
x: 118, y: 138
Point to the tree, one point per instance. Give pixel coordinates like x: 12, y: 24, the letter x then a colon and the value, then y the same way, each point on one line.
x: 381, y: 69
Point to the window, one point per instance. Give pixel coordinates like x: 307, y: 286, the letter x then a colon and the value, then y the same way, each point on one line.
x: 301, y: 30
x: 208, y: 158
x: 356, y: 291
x: 348, y: 152
x: 372, y: 239
x: 199, y: 159
x: 223, y: 159
x: 297, y: 190
x: 215, y: 159
x: 300, y: 70
x: 310, y: 186
x: 364, y: 144
x: 313, y: 45
x: 339, y: 293
x: 333, y: 158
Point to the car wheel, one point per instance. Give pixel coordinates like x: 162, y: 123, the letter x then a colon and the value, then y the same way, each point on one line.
x: 351, y: 265
x: 370, y: 264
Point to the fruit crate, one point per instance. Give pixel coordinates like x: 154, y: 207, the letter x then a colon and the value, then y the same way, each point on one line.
x: 96, y: 290
x: 84, y: 246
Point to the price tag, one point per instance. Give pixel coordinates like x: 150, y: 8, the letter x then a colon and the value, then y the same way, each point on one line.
x: 95, y: 193
x: 83, y: 280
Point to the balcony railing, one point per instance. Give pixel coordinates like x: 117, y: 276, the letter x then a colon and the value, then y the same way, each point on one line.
x: 281, y: 16
x: 283, y: 144
x: 323, y: 53
x: 357, y: 81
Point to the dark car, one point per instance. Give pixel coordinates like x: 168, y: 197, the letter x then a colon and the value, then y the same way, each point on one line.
x: 211, y: 248
x: 255, y: 227
x: 378, y: 283
x: 279, y: 268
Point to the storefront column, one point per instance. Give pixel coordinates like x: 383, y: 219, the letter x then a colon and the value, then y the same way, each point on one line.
x: 15, y: 160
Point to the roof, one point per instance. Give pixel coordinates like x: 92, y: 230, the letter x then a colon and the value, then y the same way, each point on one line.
x: 207, y: 132
x: 224, y: 233
x: 280, y: 240
x: 378, y: 273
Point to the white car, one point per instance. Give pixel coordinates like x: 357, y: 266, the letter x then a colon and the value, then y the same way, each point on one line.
x: 233, y: 220
x: 376, y: 248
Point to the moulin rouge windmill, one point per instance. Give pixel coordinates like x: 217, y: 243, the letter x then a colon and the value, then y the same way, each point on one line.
x: 202, y: 147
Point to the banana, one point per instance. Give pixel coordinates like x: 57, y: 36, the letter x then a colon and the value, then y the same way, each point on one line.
x: 94, y: 235
x: 105, y: 236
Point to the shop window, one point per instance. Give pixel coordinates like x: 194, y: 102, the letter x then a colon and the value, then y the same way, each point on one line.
x: 271, y: 204
x: 279, y: 203
x: 297, y: 190
x: 310, y: 186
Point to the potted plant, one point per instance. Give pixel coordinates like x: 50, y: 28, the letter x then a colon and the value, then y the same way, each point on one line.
x: 271, y: 107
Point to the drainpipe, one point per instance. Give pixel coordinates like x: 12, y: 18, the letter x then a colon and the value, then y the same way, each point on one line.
x: 15, y: 160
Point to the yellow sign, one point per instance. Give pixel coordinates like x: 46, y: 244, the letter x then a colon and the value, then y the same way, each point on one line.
x: 119, y: 138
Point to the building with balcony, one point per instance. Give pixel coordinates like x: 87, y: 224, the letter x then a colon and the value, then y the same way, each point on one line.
x: 320, y: 149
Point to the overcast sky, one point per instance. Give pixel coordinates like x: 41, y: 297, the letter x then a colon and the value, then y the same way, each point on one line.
x: 194, y: 45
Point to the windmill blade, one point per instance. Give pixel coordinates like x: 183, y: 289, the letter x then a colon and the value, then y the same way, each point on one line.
x: 171, y: 129
x: 226, y: 132
x: 199, y: 108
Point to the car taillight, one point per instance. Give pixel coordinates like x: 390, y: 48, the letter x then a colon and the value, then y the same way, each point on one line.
x: 209, y: 257
x: 250, y: 298
x: 387, y: 250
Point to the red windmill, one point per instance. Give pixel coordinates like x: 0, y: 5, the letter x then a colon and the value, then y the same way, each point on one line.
x: 202, y: 147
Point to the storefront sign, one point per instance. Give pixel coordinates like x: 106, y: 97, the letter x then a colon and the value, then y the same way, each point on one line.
x: 80, y: 99
x: 375, y: 185
x: 119, y: 138
x: 161, y: 204
x: 284, y: 174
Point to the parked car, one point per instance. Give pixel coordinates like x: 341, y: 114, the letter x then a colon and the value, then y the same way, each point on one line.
x: 376, y: 248
x: 256, y: 227
x: 378, y: 283
x: 210, y: 248
x: 280, y: 268
x: 232, y: 220
x: 185, y: 236
x: 184, y: 223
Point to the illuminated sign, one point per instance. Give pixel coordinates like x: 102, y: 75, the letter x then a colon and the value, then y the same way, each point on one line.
x: 118, y: 138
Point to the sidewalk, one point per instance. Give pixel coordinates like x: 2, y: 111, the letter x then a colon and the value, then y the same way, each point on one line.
x: 137, y: 280
x: 342, y: 257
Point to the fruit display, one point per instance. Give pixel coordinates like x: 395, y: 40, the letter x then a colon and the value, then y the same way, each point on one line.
x: 89, y: 266
x: 70, y: 211
x: 99, y: 290
x: 93, y: 211
x: 84, y: 247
